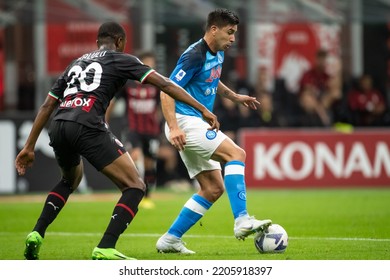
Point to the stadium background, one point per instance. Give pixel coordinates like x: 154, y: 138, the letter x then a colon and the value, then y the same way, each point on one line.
x: 39, y: 38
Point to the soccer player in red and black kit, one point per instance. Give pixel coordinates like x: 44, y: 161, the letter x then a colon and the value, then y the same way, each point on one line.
x: 80, y: 97
x: 142, y: 129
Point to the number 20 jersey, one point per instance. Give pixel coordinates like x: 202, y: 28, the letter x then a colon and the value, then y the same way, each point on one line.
x: 88, y: 84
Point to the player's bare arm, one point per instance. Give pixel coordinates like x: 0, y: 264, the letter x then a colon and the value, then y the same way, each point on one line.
x: 246, y: 100
x: 110, y: 109
x: 178, y: 93
x: 177, y: 137
x: 26, y: 156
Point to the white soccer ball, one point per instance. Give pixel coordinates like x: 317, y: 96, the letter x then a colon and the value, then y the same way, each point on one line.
x: 272, y: 240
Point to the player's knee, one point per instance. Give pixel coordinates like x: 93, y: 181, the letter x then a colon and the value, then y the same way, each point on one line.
x: 240, y: 154
x: 69, y: 184
x: 216, y: 193
x: 134, y: 183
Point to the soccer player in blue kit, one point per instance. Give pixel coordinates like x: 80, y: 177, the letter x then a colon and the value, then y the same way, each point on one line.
x: 198, y: 70
x: 79, y: 99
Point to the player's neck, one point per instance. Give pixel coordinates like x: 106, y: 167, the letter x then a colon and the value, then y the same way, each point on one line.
x: 107, y: 47
x: 210, y: 43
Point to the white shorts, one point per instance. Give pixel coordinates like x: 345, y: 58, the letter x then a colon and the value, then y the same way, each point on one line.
x: 201, y: 144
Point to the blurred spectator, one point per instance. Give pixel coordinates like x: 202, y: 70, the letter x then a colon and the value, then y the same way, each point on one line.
x: 171, y: 172
x: 318, y: 93
x: 263, y: 81
x: 264, y: 116
x: 266, y: 113
x: 228, y: 116
x: 366, y: 103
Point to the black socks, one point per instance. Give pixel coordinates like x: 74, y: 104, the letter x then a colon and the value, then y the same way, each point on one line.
x: 55, y: 201
x: 123, y: 214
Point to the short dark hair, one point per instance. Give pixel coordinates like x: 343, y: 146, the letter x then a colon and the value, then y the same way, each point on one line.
x: 111, y: 30
x: 221, y: 18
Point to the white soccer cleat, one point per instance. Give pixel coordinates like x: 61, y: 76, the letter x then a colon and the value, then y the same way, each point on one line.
x: 245, y: 226
x: 172, y: 244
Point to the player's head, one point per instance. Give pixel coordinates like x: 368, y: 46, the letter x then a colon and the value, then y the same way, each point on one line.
x: 221, y: 26
x: 221, y: 18
x: 111, y: 34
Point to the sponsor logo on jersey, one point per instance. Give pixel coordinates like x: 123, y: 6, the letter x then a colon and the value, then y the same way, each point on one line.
x: 85, y: 103
x: 211, y: 134
x: 180, y: 75
x: 211, y: 91
x: 215, y: 73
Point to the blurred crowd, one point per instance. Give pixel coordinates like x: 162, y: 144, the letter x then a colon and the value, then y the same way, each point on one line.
x: 322, y: 100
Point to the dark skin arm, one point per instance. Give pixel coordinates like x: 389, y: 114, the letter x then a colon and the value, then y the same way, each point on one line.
x: 26, y: 156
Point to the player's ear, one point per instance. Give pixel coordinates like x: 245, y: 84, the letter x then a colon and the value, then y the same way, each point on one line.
x: 213, y: 29
x: 120, y: 43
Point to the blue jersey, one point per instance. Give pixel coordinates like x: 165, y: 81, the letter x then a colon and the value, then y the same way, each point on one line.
x: 198, y: 71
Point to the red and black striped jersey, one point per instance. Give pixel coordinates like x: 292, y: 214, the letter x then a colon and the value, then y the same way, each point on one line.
x: 142, y: 103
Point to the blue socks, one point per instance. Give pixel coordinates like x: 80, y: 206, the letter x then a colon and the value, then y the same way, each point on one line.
x: 235, y: 187
x: 193, y: 210
x: 196, y: 206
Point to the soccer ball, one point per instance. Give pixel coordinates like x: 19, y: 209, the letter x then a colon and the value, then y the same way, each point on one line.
x: 272, y: 240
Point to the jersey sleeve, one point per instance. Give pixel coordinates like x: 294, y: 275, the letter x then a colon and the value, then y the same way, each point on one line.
x: 130, y: 67
x: 59, y: 86
x: 189, y: 64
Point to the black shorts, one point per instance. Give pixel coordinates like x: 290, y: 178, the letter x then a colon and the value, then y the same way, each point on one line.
x: 148, y: 143
x: 71, y: 140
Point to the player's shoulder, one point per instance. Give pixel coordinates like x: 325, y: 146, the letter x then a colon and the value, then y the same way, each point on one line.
x: 198, y: 48
x: 121, y: 56
x: 195, y: 54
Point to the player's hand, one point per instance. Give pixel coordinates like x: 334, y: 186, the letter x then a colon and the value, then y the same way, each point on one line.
x: 178, y: 138
x: 248, y: 101
x: 211, y: 119
x: 24, y: 160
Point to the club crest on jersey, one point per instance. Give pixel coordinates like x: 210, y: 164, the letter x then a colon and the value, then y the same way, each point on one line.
x: 211, y: 134
x: 180, y: 75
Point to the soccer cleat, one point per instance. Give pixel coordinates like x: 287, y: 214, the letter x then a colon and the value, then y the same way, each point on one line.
x: 108, y: 254
x: 245, y: 226
x: 172, y: 244
x: 33, y: 244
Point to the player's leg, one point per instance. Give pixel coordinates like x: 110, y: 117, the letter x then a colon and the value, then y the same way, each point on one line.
x: 108, y: 155
x: 72, y: 172
x: 211, y: 188
x: 138, y: 158
x: 199, y: 147
x: 234, y: 180
x: 124, y: 174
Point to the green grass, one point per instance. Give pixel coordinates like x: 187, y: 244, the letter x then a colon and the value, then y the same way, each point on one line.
x: 324, y: 224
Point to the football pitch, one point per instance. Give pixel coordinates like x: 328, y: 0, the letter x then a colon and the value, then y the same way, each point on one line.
x: 322, y: 224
